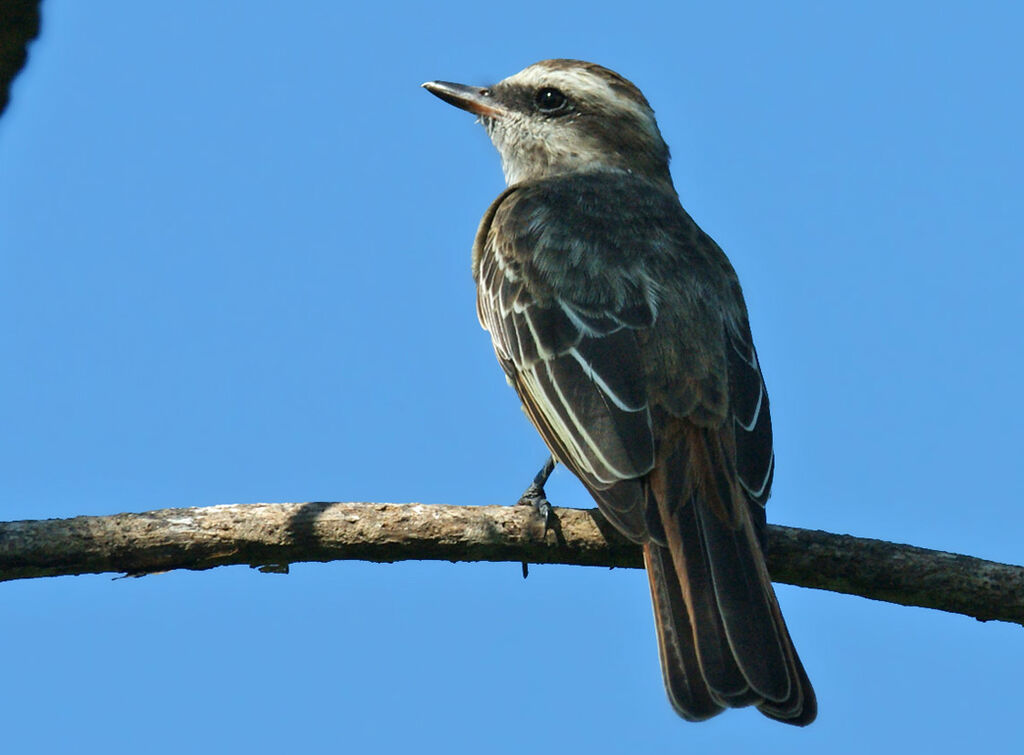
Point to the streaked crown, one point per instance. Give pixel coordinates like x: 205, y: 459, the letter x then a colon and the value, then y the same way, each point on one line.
x: 565, y: 116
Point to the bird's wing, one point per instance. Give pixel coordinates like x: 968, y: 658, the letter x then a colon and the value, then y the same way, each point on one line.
x: 575, y: 362
x: 711, y: 478
x: 751, y: 421
x: 623, y: 329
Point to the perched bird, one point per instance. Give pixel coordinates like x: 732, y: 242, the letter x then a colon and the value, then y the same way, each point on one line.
x: 623, y: 329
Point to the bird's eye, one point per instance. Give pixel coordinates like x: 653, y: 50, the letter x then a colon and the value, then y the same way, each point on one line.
x: 550, y: 100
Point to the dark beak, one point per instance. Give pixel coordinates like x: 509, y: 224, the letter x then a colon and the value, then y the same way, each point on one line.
x: 474, y: 99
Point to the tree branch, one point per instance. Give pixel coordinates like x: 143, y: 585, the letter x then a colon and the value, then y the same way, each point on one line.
x: 271, y: 536
x: 19, y: 25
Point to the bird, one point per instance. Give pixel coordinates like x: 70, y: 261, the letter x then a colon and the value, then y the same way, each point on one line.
x: 622, y: 327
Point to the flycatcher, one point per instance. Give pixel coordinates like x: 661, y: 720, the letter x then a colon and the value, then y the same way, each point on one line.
x: 623, y: 329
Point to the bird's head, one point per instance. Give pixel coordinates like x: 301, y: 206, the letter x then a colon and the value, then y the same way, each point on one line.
x: 564, y: 116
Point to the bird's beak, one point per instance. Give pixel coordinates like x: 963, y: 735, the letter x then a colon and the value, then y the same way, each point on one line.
x: 476, y: 100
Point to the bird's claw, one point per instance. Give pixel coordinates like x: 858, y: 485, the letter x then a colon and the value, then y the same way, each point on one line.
x: 534, y: 496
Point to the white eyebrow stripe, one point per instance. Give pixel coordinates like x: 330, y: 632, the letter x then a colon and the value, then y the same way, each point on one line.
x: 581, y: 81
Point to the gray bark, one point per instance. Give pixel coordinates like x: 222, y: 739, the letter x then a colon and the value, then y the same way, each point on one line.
x: 271, y: 536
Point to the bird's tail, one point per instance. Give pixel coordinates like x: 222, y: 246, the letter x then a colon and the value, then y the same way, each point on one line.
x: 721, y: 636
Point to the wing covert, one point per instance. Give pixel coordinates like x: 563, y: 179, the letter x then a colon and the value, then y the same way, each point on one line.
x: 577, y: 368
x: 752, y: 422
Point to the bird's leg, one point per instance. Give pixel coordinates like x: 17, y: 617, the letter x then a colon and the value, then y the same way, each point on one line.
x: 535, y: 496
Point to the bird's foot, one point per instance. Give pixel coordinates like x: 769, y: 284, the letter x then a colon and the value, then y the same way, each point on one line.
x: 535, y: 496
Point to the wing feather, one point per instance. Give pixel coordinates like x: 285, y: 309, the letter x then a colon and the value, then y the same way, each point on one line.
x: 755, y: 458
x: 578, y: 372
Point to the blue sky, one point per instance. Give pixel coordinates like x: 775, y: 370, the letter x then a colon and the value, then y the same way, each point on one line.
x: 234, y: 267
